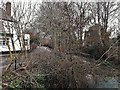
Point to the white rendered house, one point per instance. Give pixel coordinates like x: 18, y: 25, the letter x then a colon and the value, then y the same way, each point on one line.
x: 8, y: 34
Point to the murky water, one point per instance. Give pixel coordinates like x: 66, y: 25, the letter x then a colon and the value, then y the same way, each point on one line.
x: 109, y: 82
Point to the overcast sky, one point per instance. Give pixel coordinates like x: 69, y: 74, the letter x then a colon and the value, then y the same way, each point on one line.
x: 39, y: 1
x: 60, y: 0
x: 22, y: 1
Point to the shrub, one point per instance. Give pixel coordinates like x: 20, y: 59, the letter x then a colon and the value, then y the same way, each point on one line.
x: 16, y: 84
x: 40, y: 78
x: 62, y: 71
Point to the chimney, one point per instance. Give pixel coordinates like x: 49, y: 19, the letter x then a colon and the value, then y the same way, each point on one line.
x: 8, y: 9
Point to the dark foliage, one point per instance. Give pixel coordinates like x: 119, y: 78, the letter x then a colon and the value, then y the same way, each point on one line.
x: 95, y: 51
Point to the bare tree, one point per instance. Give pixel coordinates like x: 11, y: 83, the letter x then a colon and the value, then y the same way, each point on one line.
x: 65, y: 22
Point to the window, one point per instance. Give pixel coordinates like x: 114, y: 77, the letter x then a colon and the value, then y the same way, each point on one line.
x: 26, y: 42
x: 1, y: 41
x: 5, y: 41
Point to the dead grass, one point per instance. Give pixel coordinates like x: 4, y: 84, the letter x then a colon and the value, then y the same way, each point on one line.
x: 67, y: 70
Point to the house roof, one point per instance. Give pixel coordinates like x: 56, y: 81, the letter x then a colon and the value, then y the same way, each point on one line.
x: 5, y: 17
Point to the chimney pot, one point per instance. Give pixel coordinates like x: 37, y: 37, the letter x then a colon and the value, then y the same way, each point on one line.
x: 8, y: 8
